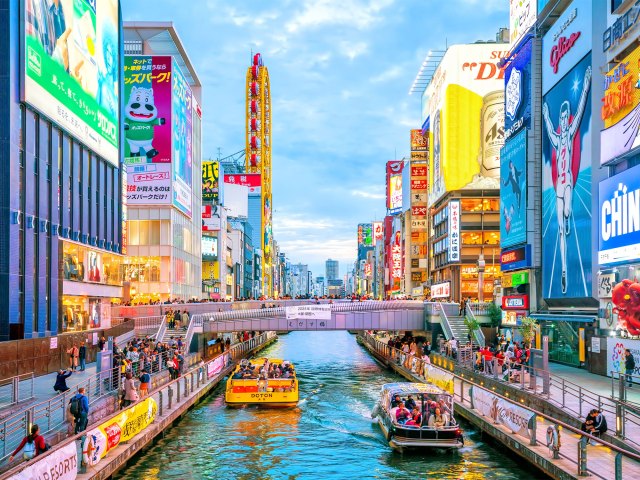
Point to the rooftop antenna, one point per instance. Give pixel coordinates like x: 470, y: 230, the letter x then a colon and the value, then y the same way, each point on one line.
x: 219, y: 152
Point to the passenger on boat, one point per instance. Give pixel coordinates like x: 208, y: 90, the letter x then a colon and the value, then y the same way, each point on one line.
x: 402, y: 414
x: 438, y: 420
x: 444, y: 408
x: 416, y: 417
x: 410, y: 403
x: 237, y: 375
x: 396, y: 401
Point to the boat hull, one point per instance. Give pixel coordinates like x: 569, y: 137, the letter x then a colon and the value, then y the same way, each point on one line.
x: 406, y: 438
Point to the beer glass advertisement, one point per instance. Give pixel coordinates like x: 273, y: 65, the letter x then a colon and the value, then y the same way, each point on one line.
x: 147, y: 111
x: 182, y: 138
x: 513, y: 191
x: 72, y: 69
x: 566, y: 198
x: 621, y: 109
x: 466, y: 108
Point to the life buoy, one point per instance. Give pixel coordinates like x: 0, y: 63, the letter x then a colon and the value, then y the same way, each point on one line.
x: 87, y: 450
x: 553, y: 439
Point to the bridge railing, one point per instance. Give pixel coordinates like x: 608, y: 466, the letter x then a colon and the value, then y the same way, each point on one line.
x: 446, y: 326
x: 477, y: 333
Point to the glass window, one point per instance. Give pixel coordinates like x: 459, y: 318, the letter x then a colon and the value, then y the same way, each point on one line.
x: 154, y: 232
x: 133, y: 232
x: 471, y: 238
x: 491, y: 238
x: 144, y: 232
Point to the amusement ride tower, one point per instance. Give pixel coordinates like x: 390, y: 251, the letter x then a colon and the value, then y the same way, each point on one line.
x: 258, y: 156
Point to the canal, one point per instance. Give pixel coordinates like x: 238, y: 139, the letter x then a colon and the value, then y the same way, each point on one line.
x: 329, y: 436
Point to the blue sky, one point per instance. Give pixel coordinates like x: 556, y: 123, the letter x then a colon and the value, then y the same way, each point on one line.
x: 340, y: 71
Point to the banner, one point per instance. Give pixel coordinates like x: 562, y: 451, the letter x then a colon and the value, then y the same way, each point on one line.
x: 62, y: 464
x: 517, y: 91
x: 454, y: 231
x: 121, y: 428
x: 522, y: 16
x: 513, y: 191
x: 439, y: 377
x: 615, y: 354
x: 216, y: 366
x: 309, y: 312
x: 181, y: 116
x: 71, y: 69
x: 148, y: 184
x: 210, y: 181
x: 251, y: 180
x: 514, y: 417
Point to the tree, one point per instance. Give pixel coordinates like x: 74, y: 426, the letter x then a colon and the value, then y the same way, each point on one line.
x: 528, y: 328
x: 471, y: 324
x: 494, y: 313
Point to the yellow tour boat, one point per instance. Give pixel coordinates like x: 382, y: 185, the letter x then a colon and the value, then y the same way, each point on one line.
x: 266, y: 382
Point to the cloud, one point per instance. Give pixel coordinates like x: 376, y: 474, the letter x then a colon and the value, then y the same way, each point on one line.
x: 352, y: 50
x: 391, y: 73
x: 367, y: 194
x: 357, y: 14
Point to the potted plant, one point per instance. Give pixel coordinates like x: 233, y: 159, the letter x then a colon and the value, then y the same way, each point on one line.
x: 528, y: 328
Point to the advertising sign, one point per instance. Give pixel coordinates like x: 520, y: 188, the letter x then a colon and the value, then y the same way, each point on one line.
x: 520, y: 278
x: 566, y: 186
x: 513, y: 191
x: 147, y: 112
x: 515, y: 302
x: 516, y: 258
x: 396, y: 261
x: 394, y: 194
x: 419, y: 210
x: 439, y: 377
x: 182, y: 140
x: 210, y: 218
x: 251, y: 180
x: 615, y: 354
x: 619, y: 217
x: 418, y: 141
x: 365, y: 234
x: 378, y: 232
x: 606, y: 282
x: 422, y: 155
x: 441, y: 290
x: 621, y: 109
x: 419, y: 170
x: 71, y: 67
x: 522, y: 16
x: 623, y: 29
x: 509, y: 414
x: 210, y: 181
x: 512, y: 318
x: 62, y: 464
x: 454, y: 231
x: 466, y: 112
x: 209, y: 248
x: 215, y: 367
x: 517, y: 95
x: 148, y: 184
x: 566, y: 43
x: 309, y: 312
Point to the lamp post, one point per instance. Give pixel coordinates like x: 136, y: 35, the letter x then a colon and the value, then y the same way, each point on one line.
x: 481, y: 265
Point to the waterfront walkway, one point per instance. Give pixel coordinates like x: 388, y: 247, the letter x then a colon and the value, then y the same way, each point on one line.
x: 600, y: 460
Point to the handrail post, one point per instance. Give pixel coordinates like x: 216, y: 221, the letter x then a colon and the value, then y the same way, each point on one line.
x: 618, y: 466
x: 579, y: 401
x: 28, y: 420
x: 192, y: 383
x: 622, y: 392
x: 16, y: 390
x: 582, y: 457
x: 186, y: 387
x: 620, y: 420
x: 534, y: 440
x: 170, y: 397
x: 160, y: 403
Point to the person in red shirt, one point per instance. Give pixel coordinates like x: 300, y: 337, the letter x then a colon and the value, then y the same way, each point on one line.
x: 34, y: 444
x: 488, y: 360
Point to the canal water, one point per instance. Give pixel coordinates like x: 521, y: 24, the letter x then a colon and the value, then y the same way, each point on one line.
x: 329, y: 436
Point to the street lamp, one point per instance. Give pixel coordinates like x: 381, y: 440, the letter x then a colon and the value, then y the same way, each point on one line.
x: 481, y: 265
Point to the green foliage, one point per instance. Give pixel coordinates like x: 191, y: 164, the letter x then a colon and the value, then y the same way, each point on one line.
x: 494, y: 312
x: 471, y: 324
x: 528, y: 328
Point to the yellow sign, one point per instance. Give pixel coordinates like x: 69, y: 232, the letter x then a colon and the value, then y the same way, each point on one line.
x: 420, y: 155
x: 419, y: 141
x: 507, y: 281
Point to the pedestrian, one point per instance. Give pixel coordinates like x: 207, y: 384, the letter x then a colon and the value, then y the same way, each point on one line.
x: 61, y: 381
x: 82, y: 353
x: 145, y: 382
x: 629, y: 366
x: 79, y: 408
x: 102, y: 343
x: 33, y: 444
x: 130, y: 392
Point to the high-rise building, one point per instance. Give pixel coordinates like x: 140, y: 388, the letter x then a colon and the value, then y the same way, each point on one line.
x: 299, y: 280
x: 332, y: 269
x: 61, y: 222
x: 164, y: 173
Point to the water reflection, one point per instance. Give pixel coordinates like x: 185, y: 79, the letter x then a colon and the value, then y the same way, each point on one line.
x: 330, y: 435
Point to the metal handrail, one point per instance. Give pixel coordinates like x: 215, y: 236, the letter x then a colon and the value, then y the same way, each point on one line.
x: 12, y: 389
x: 477, y: 333
x: 446, y: 326
x: 394, y: 353
x: 162, y: 329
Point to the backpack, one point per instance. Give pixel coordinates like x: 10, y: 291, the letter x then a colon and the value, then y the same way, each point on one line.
x: 76, y: 406
x: 29, y: 450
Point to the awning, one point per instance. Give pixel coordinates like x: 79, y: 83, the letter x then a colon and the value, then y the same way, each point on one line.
x: 563, y: 317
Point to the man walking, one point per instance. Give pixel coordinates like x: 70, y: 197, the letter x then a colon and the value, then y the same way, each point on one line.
x: 79, y: 407
x: 629, y: 366
x: 83, y: 356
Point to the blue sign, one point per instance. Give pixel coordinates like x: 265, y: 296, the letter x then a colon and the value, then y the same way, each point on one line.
x: 513, y: 191
x: 619, y: 216
x: 516, y: 258
x: 566, y: 187
x: 517, y: 92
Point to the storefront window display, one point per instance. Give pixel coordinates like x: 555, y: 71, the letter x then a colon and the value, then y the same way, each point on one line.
x: 480, y: 204
x: 84, y: 264
x: 142, y: 269
x: 81, y: 313
x: 480, y: 238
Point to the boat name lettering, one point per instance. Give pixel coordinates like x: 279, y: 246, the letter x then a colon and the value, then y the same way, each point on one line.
x: 261, y: 395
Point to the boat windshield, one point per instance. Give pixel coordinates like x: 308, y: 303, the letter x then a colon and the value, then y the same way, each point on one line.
x: 432, y: 410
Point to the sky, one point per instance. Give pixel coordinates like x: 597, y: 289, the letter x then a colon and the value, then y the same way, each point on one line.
x: 340, y: 72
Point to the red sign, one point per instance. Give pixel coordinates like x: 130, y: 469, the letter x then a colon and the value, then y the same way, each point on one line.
x: 419, y: 211
x: 515, y: 302
x: 378, y: 232
x: 251, y: 180
x: 513, y: 256
x: 418, y: 184
x: 419, y: 171
x: 561, y: 49
x: 367, y: 269
x: 394, y: 167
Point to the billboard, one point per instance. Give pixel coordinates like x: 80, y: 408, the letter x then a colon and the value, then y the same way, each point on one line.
x: 396, y: 264
x: 566, y: 185
x: 253, y: 181
x: 619, y: 217
x: 365, y: 234
x: 148, y: 184
x: 522, y: 16
x: 517, y: 91
x: 210, y: 181
x: 378, y: 232
x: 209, y: 248
x: 147, y: 111
x: 210, y: 218
x: 466, y: 112
x: 566, y: 42
x: 454, y: 231
x: 71, y: 74
x: 621, y: 109
x: 394, y: 187
x: 182, y: 119
x: 236, y: 200
x: 513, y: 191
x: 418, y: 141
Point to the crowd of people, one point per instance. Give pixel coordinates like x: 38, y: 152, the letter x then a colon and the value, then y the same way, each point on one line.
x: 267, y: 370
x: 424, y: 412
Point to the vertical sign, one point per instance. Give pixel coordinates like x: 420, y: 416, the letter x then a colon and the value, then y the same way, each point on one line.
x: 454, y: 231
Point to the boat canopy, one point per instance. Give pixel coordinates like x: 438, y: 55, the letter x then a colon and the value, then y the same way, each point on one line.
x: 392, y: 389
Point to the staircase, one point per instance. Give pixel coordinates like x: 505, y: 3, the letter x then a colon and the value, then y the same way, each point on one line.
x: 458, y: 328
x: 176, y: 333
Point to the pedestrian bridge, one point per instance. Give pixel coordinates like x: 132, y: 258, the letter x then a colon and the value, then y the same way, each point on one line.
x: 369, y: 315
